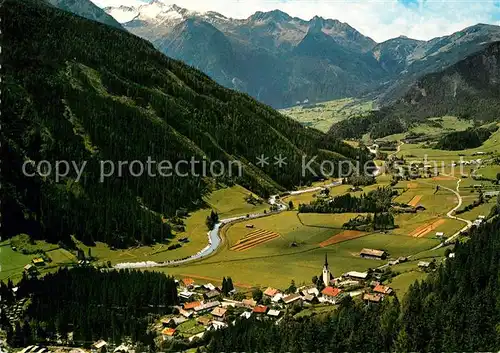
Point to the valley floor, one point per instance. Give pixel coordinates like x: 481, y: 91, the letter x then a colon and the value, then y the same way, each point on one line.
x: 279, y: 248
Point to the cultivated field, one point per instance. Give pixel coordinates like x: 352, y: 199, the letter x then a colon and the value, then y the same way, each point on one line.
x: 253, y: 239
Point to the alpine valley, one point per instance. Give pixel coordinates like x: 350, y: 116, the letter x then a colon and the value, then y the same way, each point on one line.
x: 154, y: 200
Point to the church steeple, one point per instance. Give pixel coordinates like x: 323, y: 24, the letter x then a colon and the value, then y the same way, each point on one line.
x: 326, y: 275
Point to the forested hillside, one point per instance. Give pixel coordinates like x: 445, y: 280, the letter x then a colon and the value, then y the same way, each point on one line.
x: 455, y: 309
x: 90, y: 303
x: 77, y: 90
x: 470, y: 89
x: 461, y: 140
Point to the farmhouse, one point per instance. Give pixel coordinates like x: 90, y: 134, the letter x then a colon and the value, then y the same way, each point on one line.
x: 197, y: 336
x: 420, y: 207
x: 219, y: 312
x: 246, y: 314
x: 168, y: 333
x: 271, y: 292
x: 211, y: 294
x: 175, y: 321
x: 99, y: 346
x: 274, y: 313
x: 191, y: 305
x: 38, y: 261
x: 380, y: 289
x: 188, y: 282
x: 292, y: 298
x: 260, y: 309
x: 331, y: 294
x: 209, y: 286
x: 203, y: 320
x: 309, y: 298
x: 373, y: 298
x: 347, y: 283
x: 122, y: 348
x: 356, y: 275
x: 277, y: 298
x: 185, y: 295
x: 185, y: 313
x: 373, y: 254
x: 313, y: 291
x: 205, y: 307
x: 426, y: 265
x: 249, y: 303
x: 217, y: 325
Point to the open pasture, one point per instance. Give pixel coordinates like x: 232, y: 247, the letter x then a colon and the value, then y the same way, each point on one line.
x: 323, y: 115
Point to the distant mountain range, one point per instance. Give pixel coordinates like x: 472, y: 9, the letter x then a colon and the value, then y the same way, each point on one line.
x: 87, y: 9
x: 283, y: 60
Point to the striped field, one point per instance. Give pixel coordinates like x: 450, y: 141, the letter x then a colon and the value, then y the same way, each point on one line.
x: 427, y: 228
x: 257, y: 237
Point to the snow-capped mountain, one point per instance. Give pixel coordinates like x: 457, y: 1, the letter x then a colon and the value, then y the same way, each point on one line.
x: 158, y: 12
x: 87, y: 9
x: 280, y: 59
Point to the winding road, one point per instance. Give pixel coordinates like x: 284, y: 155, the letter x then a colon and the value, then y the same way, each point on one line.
x: 214, y: 239
x: 450, y: 215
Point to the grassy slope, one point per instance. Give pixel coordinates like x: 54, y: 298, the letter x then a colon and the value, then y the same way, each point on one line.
x: 322, y: 116
x: 89, y: 92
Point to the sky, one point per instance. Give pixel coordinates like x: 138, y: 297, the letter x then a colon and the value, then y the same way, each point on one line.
x: 378, y: 19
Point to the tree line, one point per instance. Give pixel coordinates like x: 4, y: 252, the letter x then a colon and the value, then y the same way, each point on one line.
x: 375, y: 201
x: 93, y: 304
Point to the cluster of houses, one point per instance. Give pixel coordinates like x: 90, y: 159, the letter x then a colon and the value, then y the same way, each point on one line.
x: 210, y: 310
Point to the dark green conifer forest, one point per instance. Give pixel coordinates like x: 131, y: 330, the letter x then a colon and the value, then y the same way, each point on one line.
x: 80, y: 91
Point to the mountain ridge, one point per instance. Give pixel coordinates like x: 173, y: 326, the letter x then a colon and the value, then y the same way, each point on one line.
x: 79, y: 95
x: 271, y: 41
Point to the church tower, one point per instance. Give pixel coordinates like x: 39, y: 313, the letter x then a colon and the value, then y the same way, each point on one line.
x: 326, y: 273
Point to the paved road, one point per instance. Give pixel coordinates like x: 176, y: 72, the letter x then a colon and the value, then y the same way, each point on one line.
x: 214, y: 239
x: 450, y: 215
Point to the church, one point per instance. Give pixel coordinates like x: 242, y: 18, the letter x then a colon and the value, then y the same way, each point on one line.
x: 326, y: 276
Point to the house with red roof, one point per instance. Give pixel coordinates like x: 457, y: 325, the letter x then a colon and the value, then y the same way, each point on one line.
x: 191, y: 305
x: 271, y: 292
x: 188, y: 282
x: 168, y: 333
x: 260, y: 309
x: 331, y: 294
x: 381, y: 289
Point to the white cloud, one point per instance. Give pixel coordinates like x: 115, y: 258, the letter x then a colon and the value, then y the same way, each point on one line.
x: 379, y: 19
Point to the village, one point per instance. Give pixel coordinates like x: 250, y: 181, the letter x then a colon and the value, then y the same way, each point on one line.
x: 205, y: 307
